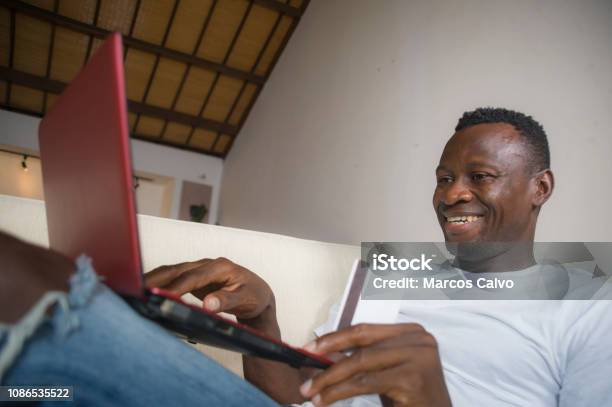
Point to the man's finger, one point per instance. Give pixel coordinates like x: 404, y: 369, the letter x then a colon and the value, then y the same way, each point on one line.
x: 367, y: 383
x: 195, y: 279
x: 361, y: 361
x: 359, y: 336
x: 163, y: 275
x: 201, y: 293
x: 213, y: 272
x: 221, y: 301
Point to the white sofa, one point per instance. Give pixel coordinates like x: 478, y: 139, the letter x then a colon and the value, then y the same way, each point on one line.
x: 306, y: 276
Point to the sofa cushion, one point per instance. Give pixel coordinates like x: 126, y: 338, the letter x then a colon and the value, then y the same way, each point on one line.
x: 306, y: 276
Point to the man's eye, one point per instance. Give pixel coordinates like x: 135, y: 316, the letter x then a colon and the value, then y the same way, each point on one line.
x: 444, y: 180
x: 480, y: 176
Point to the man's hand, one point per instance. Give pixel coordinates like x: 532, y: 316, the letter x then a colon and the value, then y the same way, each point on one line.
x: 399, y: 362
x: 222, y: 285
x: 26, y: 273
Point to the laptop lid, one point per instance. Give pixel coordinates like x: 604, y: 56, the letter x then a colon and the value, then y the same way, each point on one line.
x: 87, y: 174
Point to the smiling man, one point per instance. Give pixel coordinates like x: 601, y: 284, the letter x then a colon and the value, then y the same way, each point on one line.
x: 492, y: 180
x: 494, y: 176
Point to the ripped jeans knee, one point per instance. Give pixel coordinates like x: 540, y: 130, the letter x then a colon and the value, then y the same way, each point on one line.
x: 63, y: 320
x: 96, y: 343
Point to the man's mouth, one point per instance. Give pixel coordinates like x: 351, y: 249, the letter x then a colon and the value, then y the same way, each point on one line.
x: 462, y: 226
x: 462, y: 220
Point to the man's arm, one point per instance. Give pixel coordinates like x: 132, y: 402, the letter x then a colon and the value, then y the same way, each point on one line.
x: 278, y: 380
x: 224, y: 286
x: 400, y: 362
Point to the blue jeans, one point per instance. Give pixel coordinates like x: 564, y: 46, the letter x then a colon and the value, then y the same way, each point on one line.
x: 111, y: 356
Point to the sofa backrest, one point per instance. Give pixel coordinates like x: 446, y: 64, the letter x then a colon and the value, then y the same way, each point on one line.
x: 306, y: 276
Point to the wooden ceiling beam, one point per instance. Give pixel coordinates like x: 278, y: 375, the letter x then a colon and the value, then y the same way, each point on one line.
x: 135, y: 136
x: 275, y: 59
x: 185, y: 147
x: 245, y: 16
x: 173, y: 116
x: 98, y: 32
x: 156, y: 65
x: 32, y: 81
x: 188, y: 70
x: 50, y: 56
x: 244, y: 84
x: 90, y: 40
x: 53, y: 86
x: 9, y: 85
x: 280, y: 7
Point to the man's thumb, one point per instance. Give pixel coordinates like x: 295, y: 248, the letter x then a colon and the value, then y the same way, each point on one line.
x: 221, y: 301
x: 212, y: 303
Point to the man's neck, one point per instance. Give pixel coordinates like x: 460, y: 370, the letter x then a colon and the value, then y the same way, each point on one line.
x: 517, y: 256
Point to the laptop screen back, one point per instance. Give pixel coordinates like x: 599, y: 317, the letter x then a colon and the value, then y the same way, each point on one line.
x: 87, y: 174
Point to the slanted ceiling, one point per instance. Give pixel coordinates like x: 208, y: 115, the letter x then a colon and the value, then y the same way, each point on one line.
x: 194, y: 68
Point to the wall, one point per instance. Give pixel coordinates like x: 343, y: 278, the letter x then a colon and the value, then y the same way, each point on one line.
x: 154, y: 195
x: 21, y: 131
x: 194, y: 194
x: 344, y: 139
x: 182, y: 165
x: 15, y: 181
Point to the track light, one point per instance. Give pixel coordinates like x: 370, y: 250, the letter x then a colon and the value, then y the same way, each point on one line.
x: 24, y: 163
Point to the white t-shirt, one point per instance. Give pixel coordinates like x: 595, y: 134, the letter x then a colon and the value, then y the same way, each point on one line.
x: 515, y: 352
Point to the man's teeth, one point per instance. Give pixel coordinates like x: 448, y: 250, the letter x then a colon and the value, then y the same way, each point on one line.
x: 462, y: 219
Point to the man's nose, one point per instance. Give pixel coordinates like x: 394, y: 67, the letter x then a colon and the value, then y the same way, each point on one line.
x: 455, y: 193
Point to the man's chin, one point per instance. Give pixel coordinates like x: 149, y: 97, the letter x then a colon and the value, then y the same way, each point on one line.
x: 477, y: 249
x: 467, y: 238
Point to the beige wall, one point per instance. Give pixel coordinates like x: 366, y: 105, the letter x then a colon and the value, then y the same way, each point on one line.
x: 15, y: 181
x: 343, y: 142
x: 153, y: 196
x: 19, y: 132
x: 194, y: 194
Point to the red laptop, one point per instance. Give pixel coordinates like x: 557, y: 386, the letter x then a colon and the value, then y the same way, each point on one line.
x: 87, y: 176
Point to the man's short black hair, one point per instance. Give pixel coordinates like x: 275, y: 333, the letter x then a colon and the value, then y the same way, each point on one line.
x: 527, y: 126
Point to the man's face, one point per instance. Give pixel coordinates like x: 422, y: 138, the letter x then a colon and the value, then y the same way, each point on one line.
x: 483, y: 188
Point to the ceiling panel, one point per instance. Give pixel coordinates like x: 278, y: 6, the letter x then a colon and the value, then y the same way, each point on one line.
x: 222, y: 98
x: 32, y: 40
x: 69, y: 50
x: 252, y: 38
x: 188, y: 24
x: 166, y: 82
x: 5, y: 36
x: 222, y: 28
x: 81, y: 10
x: 193, y: 68
x: 24, y: 97
x: 116, y: 15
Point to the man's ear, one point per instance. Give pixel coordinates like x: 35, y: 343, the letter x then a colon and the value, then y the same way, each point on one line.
x: 544, y: 183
